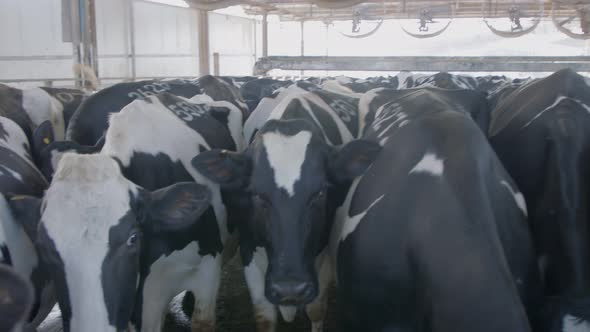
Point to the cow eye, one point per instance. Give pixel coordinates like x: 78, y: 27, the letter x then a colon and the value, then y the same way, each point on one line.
x: 132, y: 240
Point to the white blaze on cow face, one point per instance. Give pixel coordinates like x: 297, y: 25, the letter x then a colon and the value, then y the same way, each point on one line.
x: 285, y: 156
x: 518, y: 197
x: 87, y: 197
x: 574, y: 324
x: 429, y: 164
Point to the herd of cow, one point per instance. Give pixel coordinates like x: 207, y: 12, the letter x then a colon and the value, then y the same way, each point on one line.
x: 441, y: 203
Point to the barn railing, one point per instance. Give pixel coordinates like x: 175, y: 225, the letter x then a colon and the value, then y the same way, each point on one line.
x: 424, y: 63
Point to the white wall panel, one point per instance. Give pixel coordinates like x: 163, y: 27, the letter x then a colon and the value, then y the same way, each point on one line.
x: 234, y: 39
x: 165, y: 30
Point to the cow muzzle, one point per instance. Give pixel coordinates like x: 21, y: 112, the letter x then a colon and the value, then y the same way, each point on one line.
x: 291, y: 293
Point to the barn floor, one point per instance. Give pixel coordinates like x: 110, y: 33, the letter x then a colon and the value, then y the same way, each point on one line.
x: 234, y: 310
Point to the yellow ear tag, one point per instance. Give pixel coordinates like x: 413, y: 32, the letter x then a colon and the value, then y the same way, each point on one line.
x: 18, y: 198
x: 46, y: 140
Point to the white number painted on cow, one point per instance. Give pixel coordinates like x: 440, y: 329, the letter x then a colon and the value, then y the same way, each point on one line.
x: 149, y: 90
x: 387, y: 113
x: 187, y: 111
x: 65, y: 97
x: 345, y: 110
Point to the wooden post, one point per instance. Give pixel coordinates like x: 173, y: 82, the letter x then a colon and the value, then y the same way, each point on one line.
x: 204, y: 65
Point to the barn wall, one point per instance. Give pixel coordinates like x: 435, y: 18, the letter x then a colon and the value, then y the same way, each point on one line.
x: 234, y: 39
x: 33, y: 50
x: 166, y: 43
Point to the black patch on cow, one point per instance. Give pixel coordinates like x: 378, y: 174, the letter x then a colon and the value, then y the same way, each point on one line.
x: 205, y: 233
x: 32, y: 182
x: 11, y: 106
x: 51, y: 258
x: 3, y: 133
x: 120, y: 270
x: 155, y: 172
x: 202, y: 148
x: 69, y: 98
x: 200, y: 118
x: 345, y: 107
x: 16, y: 296
x: 90, y: 120
x: 6, y: 259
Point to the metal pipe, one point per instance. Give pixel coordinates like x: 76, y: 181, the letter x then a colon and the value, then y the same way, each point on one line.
x: 265, y: 35
x: 216, y: 64
x: 204, y: 63
x: 424, y: 63
x: 132, y: 39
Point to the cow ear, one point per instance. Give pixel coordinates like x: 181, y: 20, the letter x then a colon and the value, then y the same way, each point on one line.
x: 16, y: 299
x: 231, y: 170
x: 352, y: 160
x: 42, y: 137
x: 178, y: 206
x: 27, y: 212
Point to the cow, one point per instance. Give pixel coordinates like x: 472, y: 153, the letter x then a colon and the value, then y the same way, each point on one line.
x: 289, y: 180
x: 19, y: 176
x: 152, y: 142
x: 50, y: 151
x: 540, y: 132
x: 31, y: 107
x: 472, y: 102
x: 67, y: 101
x: 90, y: 121
x: 16, y: 297
x: 268, y: 104
x: 446, y: 80
x: 433, y: 237
x: 255, y: 90
x: 93, y: 228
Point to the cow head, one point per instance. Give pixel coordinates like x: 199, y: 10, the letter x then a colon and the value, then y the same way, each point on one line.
x: 89, y: 230
x: 48, y: 152
x: 286, y: 176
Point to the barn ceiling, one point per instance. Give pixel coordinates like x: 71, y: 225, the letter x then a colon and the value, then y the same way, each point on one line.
x: 333, y: 10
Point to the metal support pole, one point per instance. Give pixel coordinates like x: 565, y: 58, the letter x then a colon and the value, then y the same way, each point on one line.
x: 216, y: 64
x: 204, y: 64
x: 302, y: 38
x: 265, y: 35
x: 90, y: 45
x: 131, y: 27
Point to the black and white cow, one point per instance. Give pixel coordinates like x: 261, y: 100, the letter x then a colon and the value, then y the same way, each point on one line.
x: 269, y: 103
x: 152, y: 141
x: 93, y: 228
x: 16, y: 299
x: 31, y: 107
x: 90, y: 121
x: 446, y: 80
x: 68, y: 100
x: 19, y: 176
x: 291, y: 178
x: 472, y: 103
x: 433, y: 237
x: 255, y: 90
x: 541, y: 134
